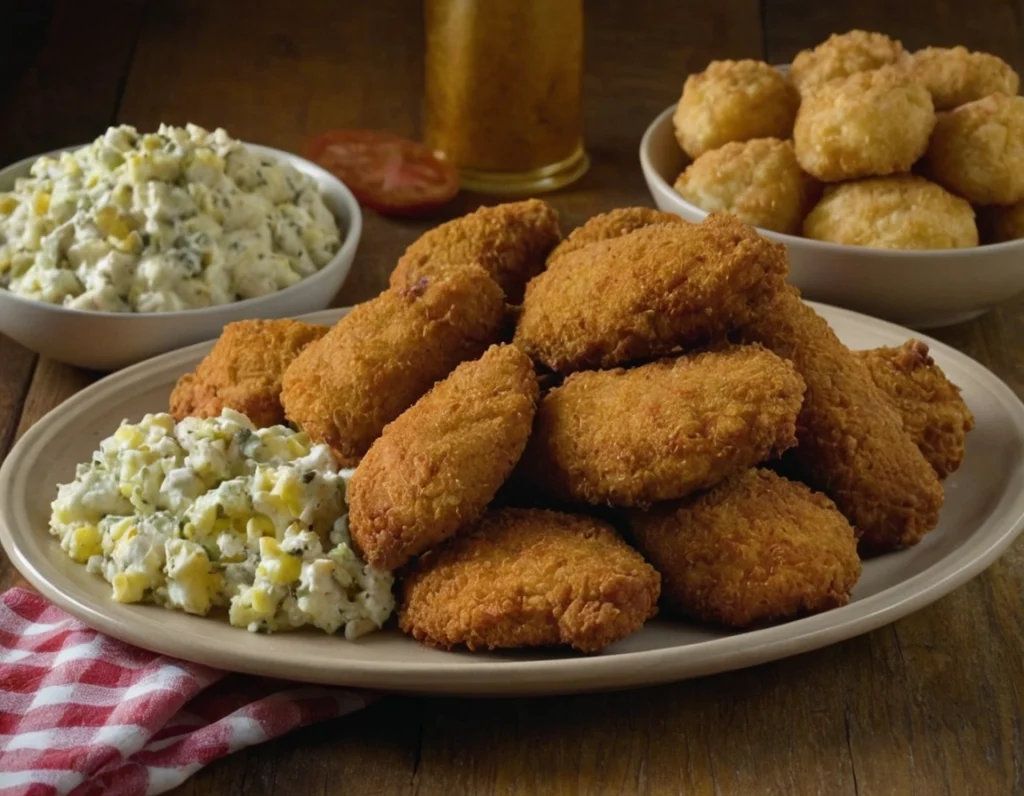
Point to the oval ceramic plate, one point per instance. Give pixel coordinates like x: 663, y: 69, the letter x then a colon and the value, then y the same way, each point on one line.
x: 984, y: 511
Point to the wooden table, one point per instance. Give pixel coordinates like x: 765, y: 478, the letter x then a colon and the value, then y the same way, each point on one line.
x: 933, y: 704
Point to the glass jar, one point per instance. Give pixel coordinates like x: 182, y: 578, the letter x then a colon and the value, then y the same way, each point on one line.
x: 503, y: 85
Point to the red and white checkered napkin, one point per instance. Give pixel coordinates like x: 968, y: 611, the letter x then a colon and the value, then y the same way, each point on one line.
x: 81, y: 713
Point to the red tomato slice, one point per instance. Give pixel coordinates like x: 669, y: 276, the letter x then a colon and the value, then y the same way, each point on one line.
x: 386, y: 172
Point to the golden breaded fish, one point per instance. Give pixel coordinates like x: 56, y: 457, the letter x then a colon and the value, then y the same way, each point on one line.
x: 851, y: 442
x: 529, y: 578
x: 436, y: 468
x: 386, y: 353
x: 646, y: 293
x: 756, y: 548
x: 243, y: 371
x: 613, y: 224
x: 933, y: 413
x: 662, y: 430
x: 509, y: 241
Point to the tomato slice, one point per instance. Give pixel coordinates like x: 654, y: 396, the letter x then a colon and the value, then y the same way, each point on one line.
x: 386, y: 172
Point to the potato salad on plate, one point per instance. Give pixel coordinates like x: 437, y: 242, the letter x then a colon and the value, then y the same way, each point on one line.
x: 214, y: 512
x: 173, y: 220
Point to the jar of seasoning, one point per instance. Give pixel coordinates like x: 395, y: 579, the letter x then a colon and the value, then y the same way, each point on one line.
x: 503, y: 85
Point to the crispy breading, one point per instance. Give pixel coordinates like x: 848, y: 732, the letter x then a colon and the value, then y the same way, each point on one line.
x: 644, y: 294
x: 934, y: 414
x: 756, y: 548
x: 662, y: 430
x: 613, y: 224
x: 851, y: 443
x: 381, y: 357
x: 509, y: 241
x: 434, y: 470
x: 529, y: 578
x: 243, y: 371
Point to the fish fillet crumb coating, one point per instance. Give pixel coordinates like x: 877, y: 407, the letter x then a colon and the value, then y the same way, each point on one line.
x: 643, y: 294
x: 386, y: 353
x: 613, y: 224
x: 844, y: 54
x: 934, y: 414
x: 665, y: 429
x: 509, y: 241
x: 529, y: 578
x: 435, y: 469
x: 243, y: 371
x: 756, y: 548
x: 851, y: 443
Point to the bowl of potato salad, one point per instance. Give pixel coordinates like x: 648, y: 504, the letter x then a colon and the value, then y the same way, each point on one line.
x: 139, y: 243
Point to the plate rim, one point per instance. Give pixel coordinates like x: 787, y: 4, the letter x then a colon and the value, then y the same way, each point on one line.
x: 547, y: 675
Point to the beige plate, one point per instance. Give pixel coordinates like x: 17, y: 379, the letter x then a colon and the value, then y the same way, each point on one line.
x: 984, y: 511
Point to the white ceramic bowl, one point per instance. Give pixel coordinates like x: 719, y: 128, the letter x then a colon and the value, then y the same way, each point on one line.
x: 920, y: 289
x: 112, y: 340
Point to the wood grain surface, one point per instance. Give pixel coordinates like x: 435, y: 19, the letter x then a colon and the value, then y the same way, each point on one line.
x: 930, y: 705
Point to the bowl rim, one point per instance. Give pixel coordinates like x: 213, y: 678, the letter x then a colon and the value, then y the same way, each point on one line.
x: 824, y: 247
x: 353, y: 233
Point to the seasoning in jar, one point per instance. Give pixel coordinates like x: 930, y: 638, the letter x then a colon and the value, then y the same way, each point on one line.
x: 503, y: 85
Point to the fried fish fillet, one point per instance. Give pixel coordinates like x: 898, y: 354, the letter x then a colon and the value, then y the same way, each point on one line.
x: 613, y: 224
x: 851, y: 443
x: 662, y: 430
x: 756, y: 548
x: 643, y: 294
x: 243, y: 371
x: 381, y: 357
x: 934, y: 414
x: 509, y: 241
x: 433, y: 470
x: 529, y: 578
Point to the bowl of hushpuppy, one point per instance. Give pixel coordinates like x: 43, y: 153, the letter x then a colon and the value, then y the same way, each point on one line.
x: 895, y: 179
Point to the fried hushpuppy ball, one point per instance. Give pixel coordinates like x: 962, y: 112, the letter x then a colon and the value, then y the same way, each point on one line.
x: 243, y: 371
x: 436, y: 468
x: 956, y: 76
x: 869, y: 124
x: 612, y: 224
x: 644, y: 294
x: 933, y: 412
x: 509, y: 241
x: 381, y: 357
x: 662, y: 430
x: 758, y: 181
x: 529, y: 578
x: 850, y: 439
x: 734, y: 101
x: 904, y: 212
x: 843, y: 55
x: 757, y: 548
x: 977, y: 150
x: 1000, y: 223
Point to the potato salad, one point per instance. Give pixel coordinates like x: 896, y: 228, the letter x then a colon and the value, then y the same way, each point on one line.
x: 214, y: 512
x: 173, y: 220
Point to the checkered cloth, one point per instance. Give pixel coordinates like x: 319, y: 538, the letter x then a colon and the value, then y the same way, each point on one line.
x: 84, y: 714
